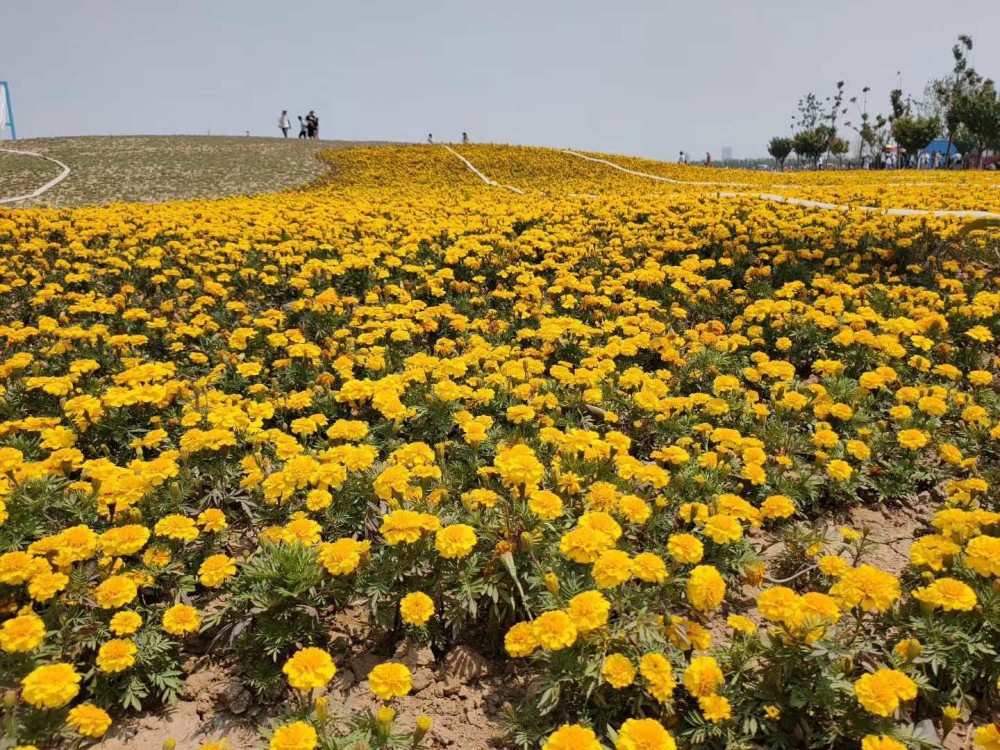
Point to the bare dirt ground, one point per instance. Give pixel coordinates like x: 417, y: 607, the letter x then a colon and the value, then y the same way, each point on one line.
x: 152, y: 169
x: 20, y: 174
x: 461, y: 691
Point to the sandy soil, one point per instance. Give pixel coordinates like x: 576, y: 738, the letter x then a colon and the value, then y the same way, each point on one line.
x: 160, y: 168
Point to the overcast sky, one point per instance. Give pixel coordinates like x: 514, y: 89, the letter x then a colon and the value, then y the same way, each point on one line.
x: 645, y: 77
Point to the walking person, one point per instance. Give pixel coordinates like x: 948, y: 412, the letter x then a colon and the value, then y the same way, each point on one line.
x: 430, y: 138
x: 708, y: 159
x: 312, y: 124
x: 303, y: 132
x: 284, y: 123
x: 465, y: 137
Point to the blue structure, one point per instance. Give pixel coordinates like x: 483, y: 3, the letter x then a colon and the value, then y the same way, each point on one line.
x: 939, y: 146
x: 6, y: 111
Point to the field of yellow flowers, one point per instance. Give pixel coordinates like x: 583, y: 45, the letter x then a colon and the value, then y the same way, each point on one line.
x: 565, y: 426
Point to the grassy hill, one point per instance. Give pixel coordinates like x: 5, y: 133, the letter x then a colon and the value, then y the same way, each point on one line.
x: 160, y: 168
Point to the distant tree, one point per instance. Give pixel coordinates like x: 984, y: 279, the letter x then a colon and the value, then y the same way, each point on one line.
x: 838, y: 147
x: 914, y: 133
x: 873, y: 132
x: 811, y: 144
x: 817, y: 124
x: 948, y: 91
x: 780, y: 148
x: 911, y: 132
x: 978, y: 110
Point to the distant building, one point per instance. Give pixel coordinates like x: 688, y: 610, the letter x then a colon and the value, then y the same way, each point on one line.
x: 727, y: 153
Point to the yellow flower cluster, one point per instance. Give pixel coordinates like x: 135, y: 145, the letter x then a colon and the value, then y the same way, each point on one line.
x: 578, y: 416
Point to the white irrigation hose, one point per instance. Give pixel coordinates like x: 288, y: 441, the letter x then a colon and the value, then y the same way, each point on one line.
x: 480, y: 175
x: 47, y: 186
x: 794, y: 201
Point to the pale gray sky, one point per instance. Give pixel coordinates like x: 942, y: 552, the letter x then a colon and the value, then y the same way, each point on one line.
x: 641, y: 77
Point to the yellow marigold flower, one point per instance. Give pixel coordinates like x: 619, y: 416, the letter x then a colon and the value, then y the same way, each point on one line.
x: 518, y: 466
x: 402, y: 526
x: 741, y: 624
x: 216, y: 570
x: 908, y: 648
x: 295, y: 736
x: 612, y: 567
x: 584, y: 545
x: 705, y: 588
x: 455, y: 542
x: 555, y: 630
x: 693, y: 512
x: 309, y: 668
x: 520, y: 414
x: 687, y: 635
x: 980, y: 333
x: 634, y: 508
x: 116, y: 655
x: 777, y: 506
x: 125, y: 622
x: 301, y: 530
x: 548, y: 506
x: 723, y: 529
x: 644, y: 734
x: 588, y: 611
x: 702, y: 676
x: 987, y: 737
x: 881, y: 692
x: 88, y: 720
x: 980, y: 378
x: 212, y: 520
x: 949, y: 594
x: 773, y: 713
x: 416, y: 608
x: 649, y: 568
x: 658, y: 674
x: 982, y: 554
x: 343, y: 556
x: 389, y: 680
x: 839, y: 470
x: 177, y: 527
x: 880, y: 742
x: 50, y: 686
x: 21, y: 634
x: 157, y: 557
x: 618, y: 671
x: 115, y: 592
x: 685, y: 548
x: 572, y: 737
x: 912, y: 439
x: 858, y: 449
x: 44, y: 586
x: 521, y: 640
x: 715, y: 708
x: 779, y: 604
x: 867, y: 587
x: 832, y: 565
x: 181, y: 619
x: 123, y: 540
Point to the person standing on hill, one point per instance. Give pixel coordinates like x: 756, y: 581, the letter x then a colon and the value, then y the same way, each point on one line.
x: 465, y: 137
x: 430, y: 138
x: 708, y: 159
x: 284, y: 124
x: 303, y: 132
x: 312, y: 124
